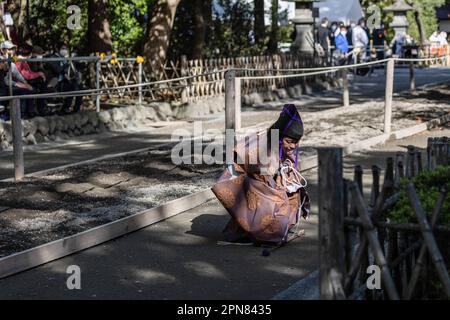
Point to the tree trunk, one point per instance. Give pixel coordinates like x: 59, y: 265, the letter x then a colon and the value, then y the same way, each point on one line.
x: 259, y: 26
x: 273, y: 40
x: 99, y: 35
x: 200, y: 21
x: 420, y: 26
x: 159, y: 30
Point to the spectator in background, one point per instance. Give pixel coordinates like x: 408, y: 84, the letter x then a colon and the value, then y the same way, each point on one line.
x: 360, y: 40
x: 66, y: 80
x: 36, y: 79
x: 350, y: 33
x: 333, y: 28
x: 397, y: 45
x: 442, y: 38
x: 11, y: 33
x: 323, y: 36
x: 27, y: 106
x: 341, y: 40
x: 8, y: 49
x: 434, y: 37
x: 340, y: 54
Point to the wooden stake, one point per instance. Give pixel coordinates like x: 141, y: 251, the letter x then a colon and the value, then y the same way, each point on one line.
x: 430, y: 242
x: 345, y: 89
x: 374, y: 244
x: 17, y: 133
x: 388, y: 95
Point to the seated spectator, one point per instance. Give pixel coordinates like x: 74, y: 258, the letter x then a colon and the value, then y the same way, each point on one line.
x: 36, y: 79
x: 66, y: 80
x: 27, y: 106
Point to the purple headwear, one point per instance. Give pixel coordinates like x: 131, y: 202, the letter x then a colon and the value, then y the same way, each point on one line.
x: 290, y: 125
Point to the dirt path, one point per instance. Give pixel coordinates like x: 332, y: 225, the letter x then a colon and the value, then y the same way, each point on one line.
x: 179, y: 258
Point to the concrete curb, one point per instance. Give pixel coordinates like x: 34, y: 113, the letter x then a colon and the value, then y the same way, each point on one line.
x: 36, y: 256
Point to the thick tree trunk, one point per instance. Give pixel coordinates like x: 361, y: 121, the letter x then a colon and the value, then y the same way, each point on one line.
x: 159, y: 30
x: 259, y: 26
x: 420, y: 26
x: 99, y: 34
x: 273, y: 40
x: 200, y: 21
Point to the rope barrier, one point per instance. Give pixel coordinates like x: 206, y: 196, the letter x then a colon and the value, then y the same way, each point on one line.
x: 422, y: 59
x: 355, y: 65
x: 102, y: 91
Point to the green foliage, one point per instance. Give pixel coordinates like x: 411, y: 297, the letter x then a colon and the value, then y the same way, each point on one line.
x: 232, y: 32
x: 48, y: 23
x: 427, y: 10
x: 127, y: 24
x: 427, y: 185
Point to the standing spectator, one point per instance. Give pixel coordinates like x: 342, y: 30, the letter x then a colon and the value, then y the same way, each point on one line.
x: 350, y: 33
x: 323, y: 36
x: 442, y: 38
x: 11, y: 33
x: 333, y: 28
x: 341, y: 40
x: 340, y: 55
x: 360, y: 40
x: 397, y: 45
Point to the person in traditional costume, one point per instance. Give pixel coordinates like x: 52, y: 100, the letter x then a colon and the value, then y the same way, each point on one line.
x: 262, y: 189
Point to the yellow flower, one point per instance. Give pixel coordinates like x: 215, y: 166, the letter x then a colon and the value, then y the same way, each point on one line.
x: 113, y: 61
x: 139, y: 59
x: 14, y: 59
x: 114, y: 55
x: 102, y: 56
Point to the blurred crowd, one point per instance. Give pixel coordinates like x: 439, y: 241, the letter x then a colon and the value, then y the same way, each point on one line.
x: 356, y: 43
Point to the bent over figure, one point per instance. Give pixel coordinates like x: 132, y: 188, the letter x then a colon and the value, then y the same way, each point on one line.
x: 263, y: 190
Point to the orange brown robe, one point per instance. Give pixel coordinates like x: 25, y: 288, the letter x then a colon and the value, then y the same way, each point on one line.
x: 260, y: 207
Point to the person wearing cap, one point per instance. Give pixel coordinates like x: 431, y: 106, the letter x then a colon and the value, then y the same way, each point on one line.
x: 8, y: 49
x: 27, y: 106
x: 265, y: 197
x: 18, y: 83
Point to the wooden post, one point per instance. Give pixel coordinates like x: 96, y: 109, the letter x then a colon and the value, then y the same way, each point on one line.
x: 375, y: 185
x: 345, y: 89
x: 140, y: 82
x: 412, y: 77
x: 97, y: 85
x: 232, y: 101
x: 430, y: 242
x: 388, y: 96
x: 184, y: 73
x: 331, y: 222
x: 16, y: 122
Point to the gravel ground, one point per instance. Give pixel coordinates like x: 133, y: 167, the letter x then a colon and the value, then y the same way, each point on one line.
x: 38, y: 210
